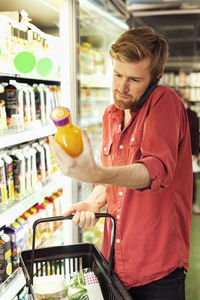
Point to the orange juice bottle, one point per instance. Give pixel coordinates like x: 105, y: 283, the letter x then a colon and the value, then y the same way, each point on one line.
x: 68, y: 135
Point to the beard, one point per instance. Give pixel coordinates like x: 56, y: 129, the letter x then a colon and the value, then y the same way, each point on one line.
x: 121, y: 104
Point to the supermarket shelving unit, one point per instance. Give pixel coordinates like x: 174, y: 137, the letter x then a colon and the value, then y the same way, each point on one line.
x: 16, y: 281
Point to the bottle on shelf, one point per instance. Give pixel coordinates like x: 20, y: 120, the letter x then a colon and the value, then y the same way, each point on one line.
x: 68, y: 135
x: 8, y: 163
x: 5, y: 259
x: 14, y: 105
x: 3, y: 118
x: 3, y: 187
x: 19, y: 175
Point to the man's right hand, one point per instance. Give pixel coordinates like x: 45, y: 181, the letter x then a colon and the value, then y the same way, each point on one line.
x: 84, y: 214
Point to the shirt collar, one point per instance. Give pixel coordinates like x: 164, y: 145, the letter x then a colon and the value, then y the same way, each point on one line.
x: 118, y: 113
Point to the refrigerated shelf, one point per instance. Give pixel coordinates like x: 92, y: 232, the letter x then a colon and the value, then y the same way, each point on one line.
x: 90, y: 121
x: 54, y: 239
x: 12, y: 285
x: 43, y: 189
x: 18, y: 208
x: 11, y: 73
x: 98, y: 81
x: 10, y: 138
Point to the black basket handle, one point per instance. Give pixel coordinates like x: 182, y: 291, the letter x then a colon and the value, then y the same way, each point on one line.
x: 62, y: 218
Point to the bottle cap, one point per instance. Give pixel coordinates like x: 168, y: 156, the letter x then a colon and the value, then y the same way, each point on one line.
x: 60, y: 116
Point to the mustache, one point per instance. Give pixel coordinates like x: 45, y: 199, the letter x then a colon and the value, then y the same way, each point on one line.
x: 116, y: 92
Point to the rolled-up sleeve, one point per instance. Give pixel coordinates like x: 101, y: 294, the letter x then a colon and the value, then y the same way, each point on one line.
x: 161, y: 135
x: 156, y: 171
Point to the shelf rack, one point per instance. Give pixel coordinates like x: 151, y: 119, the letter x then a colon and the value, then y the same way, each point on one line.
x: 42, y: 190
x: 12, y: 285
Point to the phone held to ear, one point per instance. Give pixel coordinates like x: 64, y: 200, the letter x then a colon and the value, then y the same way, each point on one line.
x: 147, y: 92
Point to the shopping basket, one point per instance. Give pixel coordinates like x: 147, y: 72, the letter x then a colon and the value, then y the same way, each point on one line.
x: 53, y: 260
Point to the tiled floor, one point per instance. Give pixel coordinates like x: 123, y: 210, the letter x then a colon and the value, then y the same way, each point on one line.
x: 193, y: 276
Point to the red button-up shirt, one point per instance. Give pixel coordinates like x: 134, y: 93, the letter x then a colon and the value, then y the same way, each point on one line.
x: 152, y: 225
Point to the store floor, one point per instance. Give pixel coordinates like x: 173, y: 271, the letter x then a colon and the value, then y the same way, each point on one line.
x: 193, y: 276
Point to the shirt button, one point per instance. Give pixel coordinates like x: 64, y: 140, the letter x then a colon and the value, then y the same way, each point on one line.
x: 120, y: 193
x: 118, y: 217
x: 132, y: 139
x: 121, y: 147
x: 117, y: 241
x: 105, y: 149
x: 119, y: 126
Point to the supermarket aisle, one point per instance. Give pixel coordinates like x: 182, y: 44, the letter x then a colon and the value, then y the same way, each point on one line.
x: 193, y: 276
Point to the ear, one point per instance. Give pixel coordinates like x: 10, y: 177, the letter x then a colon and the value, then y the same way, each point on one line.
x: 159, y: 76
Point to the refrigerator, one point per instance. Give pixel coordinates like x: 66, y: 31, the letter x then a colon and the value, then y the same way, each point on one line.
x: 81, y: 73
x: 97, y: 28
x: 30, y: 86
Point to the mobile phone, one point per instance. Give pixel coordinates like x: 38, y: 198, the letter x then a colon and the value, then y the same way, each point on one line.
x: 147, y: 92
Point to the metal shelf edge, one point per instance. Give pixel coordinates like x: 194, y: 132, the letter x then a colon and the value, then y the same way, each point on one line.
x: 8, y: 139
x: 11, y: 213
x: 36, y: 196
x: 13, y: 285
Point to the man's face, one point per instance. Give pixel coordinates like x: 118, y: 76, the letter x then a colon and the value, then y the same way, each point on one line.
x: 130, y: 80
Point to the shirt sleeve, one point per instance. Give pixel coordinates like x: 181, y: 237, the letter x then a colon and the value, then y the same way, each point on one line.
x: 163, y: 130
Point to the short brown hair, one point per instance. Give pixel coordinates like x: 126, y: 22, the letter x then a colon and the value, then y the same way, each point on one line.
x: 139, y: 43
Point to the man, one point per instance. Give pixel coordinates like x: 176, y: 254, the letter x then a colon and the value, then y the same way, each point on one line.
x: 146, y: 173
x: 194, y: 135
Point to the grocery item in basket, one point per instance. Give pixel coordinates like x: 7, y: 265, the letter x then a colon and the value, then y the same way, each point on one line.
x: 50, y: 287
x: 68, y: 135
x: 84, y: 285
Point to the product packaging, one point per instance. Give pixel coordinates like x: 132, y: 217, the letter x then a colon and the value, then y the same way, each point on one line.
x: 48, y: 103
x: 19, y: 235
x: 14, y: 105
x: 18, y: 173
x: 3, y: 119
x: 40, y: 103
x: 14, y: 251
x: 32, y: 153
x: 33, y: 108
x: 26, y: 153
x: 47, y: 155
x: 8, y: 162
x: 29, y: 218
x: 40, y: 161
x: 26, y: 106
x: 5, y: 256
x: 49, y: 210
x: 25, y: 227
x: 50, y: 287
x: 68, y: 135
x: 84, y: 285
x: 3, y: 186
x: 43, y: 229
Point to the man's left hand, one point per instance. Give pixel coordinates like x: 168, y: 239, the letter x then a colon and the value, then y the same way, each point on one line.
x: 83, y: 167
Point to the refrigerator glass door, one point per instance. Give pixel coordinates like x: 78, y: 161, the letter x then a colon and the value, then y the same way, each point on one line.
x: 97, y: 31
